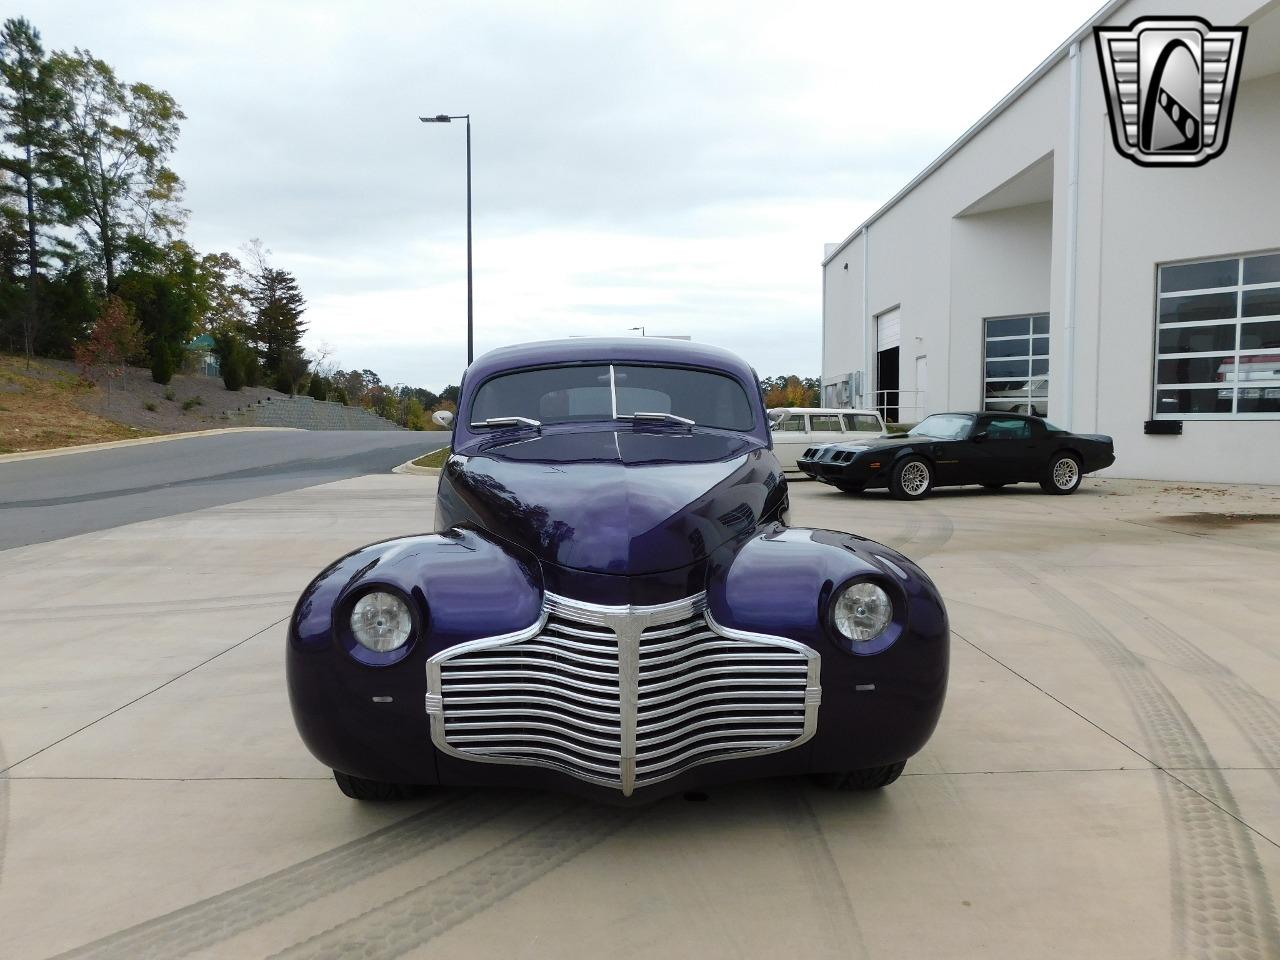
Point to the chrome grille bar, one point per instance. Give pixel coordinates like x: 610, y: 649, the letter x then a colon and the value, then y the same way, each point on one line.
x: 622, y: 696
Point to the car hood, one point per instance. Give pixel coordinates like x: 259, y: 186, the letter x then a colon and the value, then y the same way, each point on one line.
x: 614, y: 501
x: 878, y: 443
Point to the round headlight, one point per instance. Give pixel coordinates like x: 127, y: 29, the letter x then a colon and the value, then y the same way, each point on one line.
x: 862, y: 611
x: 381, y: 621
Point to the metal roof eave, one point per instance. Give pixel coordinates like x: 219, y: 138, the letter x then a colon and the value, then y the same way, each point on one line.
x: 1030, y: 80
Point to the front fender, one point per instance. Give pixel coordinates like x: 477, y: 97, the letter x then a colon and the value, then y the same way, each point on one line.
x: 362, y: 712
x: 880, y: 701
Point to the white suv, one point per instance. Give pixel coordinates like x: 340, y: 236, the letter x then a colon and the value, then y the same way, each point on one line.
x: 795, y: 429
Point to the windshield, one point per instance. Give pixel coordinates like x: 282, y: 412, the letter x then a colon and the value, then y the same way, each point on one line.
x: 575, y: 394
x: 943, y: 426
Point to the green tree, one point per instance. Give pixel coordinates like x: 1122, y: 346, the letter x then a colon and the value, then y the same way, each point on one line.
x: 234, y: 357
x: 118, y: 139
x: 276, y: 326
x: 71, y: 306
x: 29, y: 110
x: 161, y: 284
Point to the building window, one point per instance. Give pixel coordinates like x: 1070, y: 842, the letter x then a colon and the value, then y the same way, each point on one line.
x: 1218, y: 340
x: 1016, y: 364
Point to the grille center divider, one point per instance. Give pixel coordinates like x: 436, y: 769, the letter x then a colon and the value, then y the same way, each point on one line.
x: 622, y: 696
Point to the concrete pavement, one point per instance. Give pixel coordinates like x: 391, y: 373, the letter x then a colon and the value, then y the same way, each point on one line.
x: 1102, y: 784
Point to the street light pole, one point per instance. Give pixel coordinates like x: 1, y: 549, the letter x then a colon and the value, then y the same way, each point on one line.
x: 447, y: 118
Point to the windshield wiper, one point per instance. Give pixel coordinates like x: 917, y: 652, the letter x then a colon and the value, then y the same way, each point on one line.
x: 657, y: 418
x: 507, y: 422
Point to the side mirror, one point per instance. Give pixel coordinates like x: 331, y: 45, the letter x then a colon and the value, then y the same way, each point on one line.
x: 442, y: 418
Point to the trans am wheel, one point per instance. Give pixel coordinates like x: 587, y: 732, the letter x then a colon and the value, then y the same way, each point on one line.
x: 912, y: 479
x: 358, y: 788
x: 848, y: 486
x: 872, y: 778
x: 1063, y: 475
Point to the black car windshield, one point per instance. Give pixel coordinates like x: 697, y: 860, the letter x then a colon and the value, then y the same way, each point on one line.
x: 943, y: 426
x: 599, y: 392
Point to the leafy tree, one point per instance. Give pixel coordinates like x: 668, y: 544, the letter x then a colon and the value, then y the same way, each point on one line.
x: 114, y: 340
x: 29, y: 110
x: 415, y: 415
x: 118, y: 139
x: 71, y: 308
x: 161, y: 285
x: 789, y: 391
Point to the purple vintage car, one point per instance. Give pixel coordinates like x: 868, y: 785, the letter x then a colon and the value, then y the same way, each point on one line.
x: 614, y: 601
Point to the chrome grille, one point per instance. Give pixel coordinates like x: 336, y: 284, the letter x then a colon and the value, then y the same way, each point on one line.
x: 622, y: 696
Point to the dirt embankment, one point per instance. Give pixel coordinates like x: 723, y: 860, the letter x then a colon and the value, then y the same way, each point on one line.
x: 50, y: 405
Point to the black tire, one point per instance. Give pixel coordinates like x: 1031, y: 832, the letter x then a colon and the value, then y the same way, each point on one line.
x: 847, y: 486
x: 358, y: 788
x: 1063, y: 475
x: 872, y: 778
x: 911, y: 489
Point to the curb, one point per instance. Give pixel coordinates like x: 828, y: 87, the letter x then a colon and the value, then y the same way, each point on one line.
x: 134, y: 441
x: 410, y: 467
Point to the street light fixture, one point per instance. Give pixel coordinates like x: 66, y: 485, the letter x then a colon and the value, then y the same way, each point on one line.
x: 641, y: 329
x: 446, y: 118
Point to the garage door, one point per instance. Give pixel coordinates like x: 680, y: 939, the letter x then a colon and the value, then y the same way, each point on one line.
x: 888, y: 329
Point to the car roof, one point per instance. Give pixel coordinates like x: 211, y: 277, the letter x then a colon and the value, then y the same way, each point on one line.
x: 605, y: 350
x: 544, y: 353
x: 824, y: 410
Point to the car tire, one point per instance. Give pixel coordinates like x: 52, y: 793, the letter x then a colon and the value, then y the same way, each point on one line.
x: 912, y: 479
x: 1063, y: 475
x: 848, y: 486
x: 358, y: 788
x: 871, y: 778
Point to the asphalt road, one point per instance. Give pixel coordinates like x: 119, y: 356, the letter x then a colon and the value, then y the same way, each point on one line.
x: 48, y: 498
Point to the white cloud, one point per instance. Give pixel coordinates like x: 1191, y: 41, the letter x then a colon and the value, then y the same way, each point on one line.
x: 673, y: 164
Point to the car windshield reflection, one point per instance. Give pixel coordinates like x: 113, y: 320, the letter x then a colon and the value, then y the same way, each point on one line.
x: 942, y: 426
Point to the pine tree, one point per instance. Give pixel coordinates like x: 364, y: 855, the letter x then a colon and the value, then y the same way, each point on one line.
x: 29, y: 109
x: 277, y: 325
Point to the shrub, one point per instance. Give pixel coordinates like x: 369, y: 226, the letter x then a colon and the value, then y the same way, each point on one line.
x: 192, y: 402
x: 340, y: 395
x: 234, y: 360
x: 168, y: 394
x: 162, y: 365
x: 318, y: 388
x: 283, y: 382
x: 150, y: 406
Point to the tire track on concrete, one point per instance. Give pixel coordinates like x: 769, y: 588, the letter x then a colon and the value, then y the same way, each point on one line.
x: 813, y: 857
x: 225, y: 915
x: 1222, y: 902
x: 1255, y: 715
x: 910, y: 527
x: 425, y: 912
x: 940, y: 530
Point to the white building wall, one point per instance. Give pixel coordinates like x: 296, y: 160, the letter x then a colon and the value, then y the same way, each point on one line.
x: 947, y: 271
x: 1000, y: 266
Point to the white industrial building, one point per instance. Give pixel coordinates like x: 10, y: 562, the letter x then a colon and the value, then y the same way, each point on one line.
x: 1034, y: 267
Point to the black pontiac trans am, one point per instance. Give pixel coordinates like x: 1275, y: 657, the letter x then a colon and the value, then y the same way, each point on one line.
x: 954, y: 449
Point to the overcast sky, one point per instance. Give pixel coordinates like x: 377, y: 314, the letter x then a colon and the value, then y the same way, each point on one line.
x: 676, y: 165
